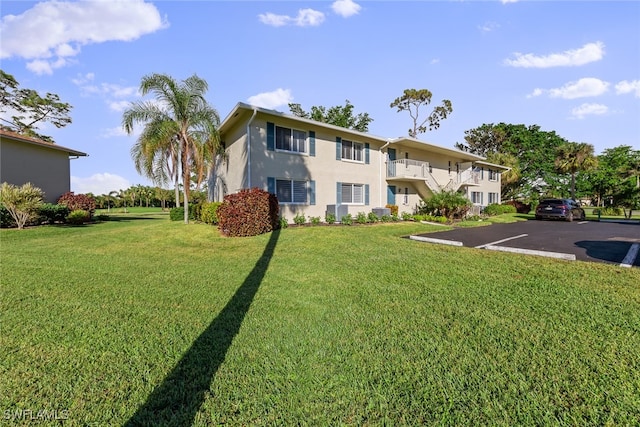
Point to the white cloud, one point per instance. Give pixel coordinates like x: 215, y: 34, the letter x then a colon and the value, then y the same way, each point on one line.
x: 119, y: 106
x: 346, y: 8
x: 116, y: 96
x: 114, y: 132
x: 589, y: 110
x: 590, y: 52
x: 488, y: 27
x: 583, y: 88
x: 305, y: 18
x: 52, y: 32
x: 273, y: 99
x: 274, y: 20
x: 99, y: 183
x: 625, y: 87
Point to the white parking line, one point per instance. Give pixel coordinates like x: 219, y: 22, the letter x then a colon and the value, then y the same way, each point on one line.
x: 500, y: 241
x: 568, y: 257
x: 441, y: 241
x: 631, y: 256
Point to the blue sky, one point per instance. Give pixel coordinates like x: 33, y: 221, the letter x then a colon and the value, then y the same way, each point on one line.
x: 572, y: 67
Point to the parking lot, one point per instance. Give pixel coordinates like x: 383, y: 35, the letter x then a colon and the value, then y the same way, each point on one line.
x: 609, y: 242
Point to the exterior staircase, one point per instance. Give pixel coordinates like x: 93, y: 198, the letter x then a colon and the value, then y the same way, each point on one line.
x: 420, y: 173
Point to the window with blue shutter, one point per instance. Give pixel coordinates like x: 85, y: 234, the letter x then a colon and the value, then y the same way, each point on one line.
x: 366, y: 194
x: 312, y: 143
x: 338, y: 148
x: 367, y: 159
x: 271, y: 136
x: 338, y: 193
x: 271, y: 185
x: 312, y: 192
x: 391, y: 195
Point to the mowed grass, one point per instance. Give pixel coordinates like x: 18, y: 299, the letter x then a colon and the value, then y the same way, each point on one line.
x: 144, y: 321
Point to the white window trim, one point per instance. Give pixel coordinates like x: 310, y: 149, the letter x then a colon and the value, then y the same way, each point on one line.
x: 353, y: 144
x: 282, y: 150
x: 352, y: 187
x: 291, y: 181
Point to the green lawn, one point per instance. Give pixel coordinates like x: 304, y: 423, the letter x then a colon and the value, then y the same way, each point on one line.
x: 144, y: 321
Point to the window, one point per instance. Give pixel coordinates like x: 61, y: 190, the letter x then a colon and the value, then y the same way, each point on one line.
x: 405, y: 201
x: 352, y: 150
x: 494, y: 198
x: 291, y: 140
x: 493, y: 175
x: 353, y: 194
x: 290, y: 191
x: 476, y: 197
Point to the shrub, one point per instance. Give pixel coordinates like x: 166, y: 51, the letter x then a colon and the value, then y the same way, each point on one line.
x: 609, y: 211
x: 283, y: 222
x: 393, y: 208
x: 102, y: 217
x: 346, y: 219
x: 5, y: 218
x: 361, y: 218
x: 496, y: 209
x: 372, y: 217
x: 521, y: 207
x: 22, y: 203
x: 406, y: 216
x: 195, y: 210
x: 330, y: 218
x: 177, y: 214
x: 449, y: 204
x: 78, y: 202
x: 209, y: 212
x: 389, y: 218
x: 51, y: 213
x: 78, y: 217
x: 315, y: 220
x: 248, y: 213
x: 299, y: 219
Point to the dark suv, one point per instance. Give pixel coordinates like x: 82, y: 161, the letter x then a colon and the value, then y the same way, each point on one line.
x: 566, y: 209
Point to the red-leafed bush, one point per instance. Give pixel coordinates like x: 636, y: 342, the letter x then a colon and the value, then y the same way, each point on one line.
x: 77, y: 202
x: 248, y: 213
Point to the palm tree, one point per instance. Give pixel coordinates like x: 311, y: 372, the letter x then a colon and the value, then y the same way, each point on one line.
x: 573, y: 157
x: 176, y: 128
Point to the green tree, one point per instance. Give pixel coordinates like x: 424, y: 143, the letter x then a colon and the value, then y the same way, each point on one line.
x: 534, y: 149
x: 337, y: 115
x: 29, y: 108
x: 22, y: 203
x: 616, y: 178
x: 573, y: 157
x: 180, y: 117
x: 411, y: 101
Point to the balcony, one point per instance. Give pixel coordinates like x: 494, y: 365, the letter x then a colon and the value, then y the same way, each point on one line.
x: 408, y: 169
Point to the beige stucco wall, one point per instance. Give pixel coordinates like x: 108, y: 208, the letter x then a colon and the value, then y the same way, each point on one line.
x: 44, y: 168
x: 244, y: 169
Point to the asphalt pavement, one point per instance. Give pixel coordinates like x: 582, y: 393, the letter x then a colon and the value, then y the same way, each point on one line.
x: 595, y: 241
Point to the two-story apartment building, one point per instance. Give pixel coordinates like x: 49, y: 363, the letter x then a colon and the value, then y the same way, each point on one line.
x: 45, y: 165
x: 315, y: 167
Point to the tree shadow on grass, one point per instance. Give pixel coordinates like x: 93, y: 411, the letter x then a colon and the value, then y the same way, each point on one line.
x: 177, y: 400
